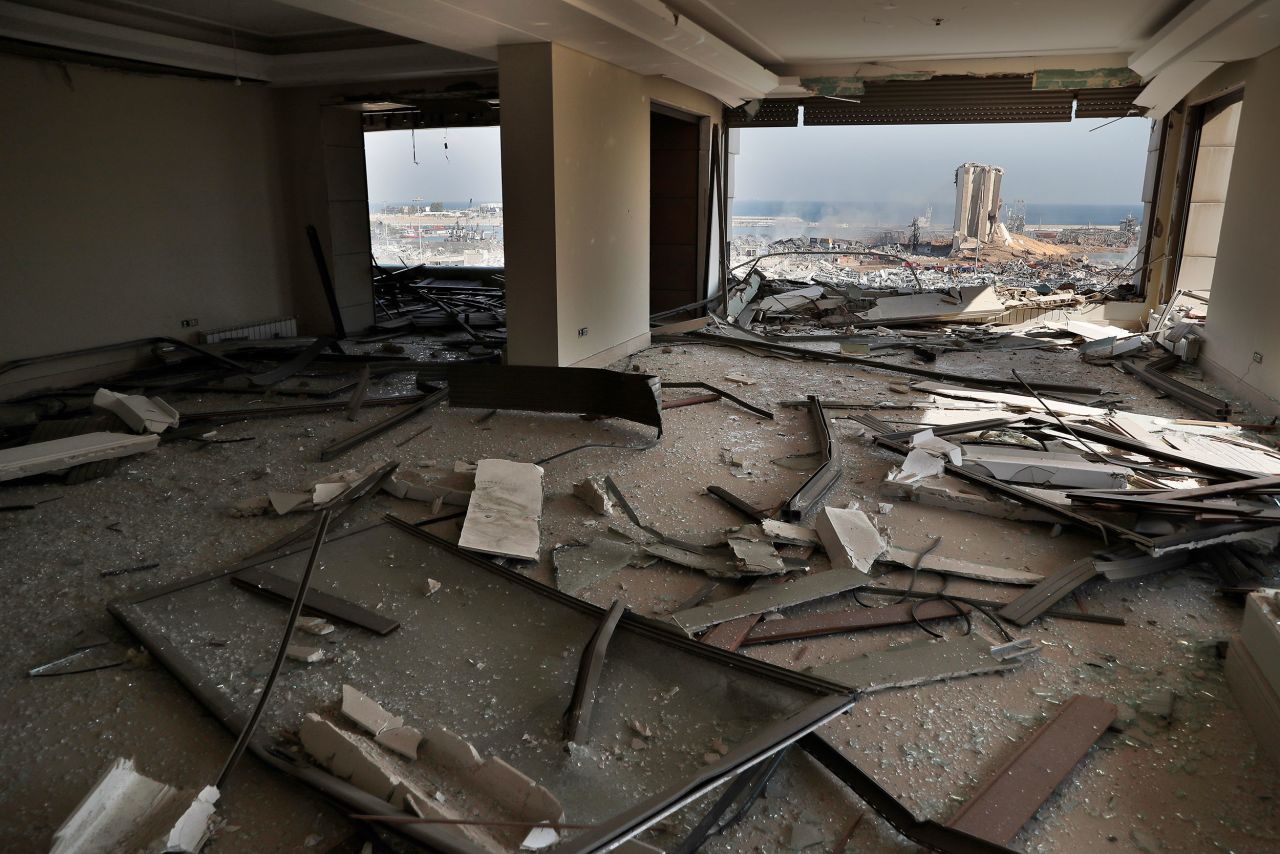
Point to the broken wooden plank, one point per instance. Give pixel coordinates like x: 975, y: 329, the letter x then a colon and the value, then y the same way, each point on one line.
x: 731, y: 634
x: 279, y: 587
x: 806, y: 588
x: 849, y: 620
x: 1044, y: 595
x: 915, y: 663
x: 59, y: 454
x: 502, y: 518
x: 999, y: 809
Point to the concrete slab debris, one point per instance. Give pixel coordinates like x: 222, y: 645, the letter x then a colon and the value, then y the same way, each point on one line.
x: 580, y: 567
x: 367, y: 713
x: 755, y: 556
x: 59, y: 454
x: 849, y: 537
x: 915, y: 663
x: 142, y: 414
x: 806, y: 588
x: 128, y: 811
x: 951, y: 493
x: 502, y: 518
x: 960, y: 568
x: 285, y: 503
x: 357, y: 760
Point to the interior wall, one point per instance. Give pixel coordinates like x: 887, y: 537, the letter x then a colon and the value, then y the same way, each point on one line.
x: 528, y: 204
x: 1246, y: 299
x: 129, y: 203
x: 601, y: 135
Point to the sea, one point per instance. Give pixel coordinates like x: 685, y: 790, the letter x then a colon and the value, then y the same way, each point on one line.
x: 899, y: 214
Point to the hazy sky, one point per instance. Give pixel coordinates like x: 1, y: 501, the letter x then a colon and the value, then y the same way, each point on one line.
x: 472, y: 170
x: 1044, y: 163
x: 1059, y: 162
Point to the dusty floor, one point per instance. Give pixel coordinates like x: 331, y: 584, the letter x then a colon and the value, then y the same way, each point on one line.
x: 1195, y: 783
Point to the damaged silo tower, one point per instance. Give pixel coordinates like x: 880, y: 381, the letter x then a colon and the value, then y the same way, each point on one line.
x: 977, y: 203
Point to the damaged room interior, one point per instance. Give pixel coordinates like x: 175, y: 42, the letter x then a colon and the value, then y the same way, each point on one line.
x: 639, y: 425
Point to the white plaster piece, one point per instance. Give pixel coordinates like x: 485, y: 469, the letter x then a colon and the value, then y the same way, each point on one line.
x: 850, y: 538
x: 58, y: 454
x: 128, y: 811
x: 142, y: 414
x: 502, y: 518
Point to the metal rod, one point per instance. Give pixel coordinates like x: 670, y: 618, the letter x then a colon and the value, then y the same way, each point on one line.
x: 245, y: 734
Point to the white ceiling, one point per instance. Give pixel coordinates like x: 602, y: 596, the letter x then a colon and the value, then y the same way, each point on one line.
x: 784, y: 35
x: 262, y: 25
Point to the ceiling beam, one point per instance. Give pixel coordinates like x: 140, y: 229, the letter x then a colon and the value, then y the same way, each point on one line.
x: 354, y: 65
x: 1206, y: 35
x: 643, y: 36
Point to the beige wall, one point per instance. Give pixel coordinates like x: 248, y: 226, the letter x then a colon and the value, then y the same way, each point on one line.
x: 1245, y: 308
x: 601, y: 133
x: 575, y: 185
x: 129, y: 202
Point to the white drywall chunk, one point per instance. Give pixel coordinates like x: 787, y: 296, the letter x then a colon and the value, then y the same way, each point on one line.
x: 401, y: 739
x: 58, y: 454
x: 788, y: 532
x: 926, y: 441
x: 539, y: 838
x: 1021, y: 465
x: 918, y: 465
x: 502, y: 518
x: 367, y: 713
x: 305, y: 654
x: 128, y: 811
x: 452, y: 751
x: 594, y: 495
x: 142, y: 414
x: 849, y: 538
x: 315, y: 625
x: 355, y: 759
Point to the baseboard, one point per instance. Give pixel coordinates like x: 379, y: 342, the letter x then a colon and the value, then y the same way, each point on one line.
x: 614, y: 353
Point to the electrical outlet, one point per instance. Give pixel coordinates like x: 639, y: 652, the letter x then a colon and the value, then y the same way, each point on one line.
x: 582, y: 333
x: 190, y: 322
x: 1257, y: 357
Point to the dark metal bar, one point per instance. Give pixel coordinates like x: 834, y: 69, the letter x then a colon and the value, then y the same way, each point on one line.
x: 755, y: 410
x: 341, y: 446
x: 812, y: 491
x: 225, y: 415
x: 930, y: 834
x: 862, y: 361
x: 736, y: 503
x: 278, y: 587
x: 1078, y: 616
x: 295, y: 609
x: 1153, y: 374
x: 326, y: 281
x: 752, y: 782
x: 577, y: 724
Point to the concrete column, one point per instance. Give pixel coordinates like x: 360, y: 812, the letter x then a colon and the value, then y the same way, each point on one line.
x: 575, y: 187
